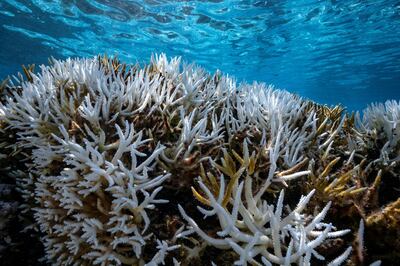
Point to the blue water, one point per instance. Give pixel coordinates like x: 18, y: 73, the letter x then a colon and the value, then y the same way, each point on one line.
x: 330, y: 51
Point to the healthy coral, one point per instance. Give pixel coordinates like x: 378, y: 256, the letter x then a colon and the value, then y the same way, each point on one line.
x: 167, y: 164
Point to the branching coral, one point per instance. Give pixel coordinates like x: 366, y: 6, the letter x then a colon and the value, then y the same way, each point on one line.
x: 110, y: 154
x: 262, y: 230
x: 381, y: 121
x: 103, y: 196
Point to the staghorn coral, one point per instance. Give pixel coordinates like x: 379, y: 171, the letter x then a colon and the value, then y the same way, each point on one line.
x: 167, y: 164
x: 380, y: 121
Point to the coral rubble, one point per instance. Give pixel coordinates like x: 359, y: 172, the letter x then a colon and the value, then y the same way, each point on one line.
x: 117, y: 164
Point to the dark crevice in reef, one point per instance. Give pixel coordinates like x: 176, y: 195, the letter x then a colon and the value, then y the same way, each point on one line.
x: 18, y: 245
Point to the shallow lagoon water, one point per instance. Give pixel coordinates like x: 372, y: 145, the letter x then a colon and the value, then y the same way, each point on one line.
x: 332, y: 52
x: 87, y: 145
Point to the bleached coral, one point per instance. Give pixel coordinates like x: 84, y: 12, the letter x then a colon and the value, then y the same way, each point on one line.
x: 255, y: 229
x: 92, y: 186
x: 262, y: 230
x: 103, y: 197
x: 112, y: 154
x: 382, y: 124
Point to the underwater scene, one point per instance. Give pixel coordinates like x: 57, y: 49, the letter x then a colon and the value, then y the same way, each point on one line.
x: 204, y: 132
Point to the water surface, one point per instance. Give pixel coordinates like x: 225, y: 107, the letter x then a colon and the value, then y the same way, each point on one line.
x: 330, y: 51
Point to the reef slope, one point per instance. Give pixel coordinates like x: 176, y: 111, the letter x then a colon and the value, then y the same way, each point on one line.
x: 115, y: 164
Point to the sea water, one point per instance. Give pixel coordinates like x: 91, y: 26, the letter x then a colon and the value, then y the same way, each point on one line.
x: 332, y: 52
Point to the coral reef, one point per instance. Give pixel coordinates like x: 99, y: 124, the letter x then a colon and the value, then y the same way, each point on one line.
x: 116, y: 164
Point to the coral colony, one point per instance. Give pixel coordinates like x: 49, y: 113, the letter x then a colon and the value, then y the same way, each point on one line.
x: 114, y: 164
